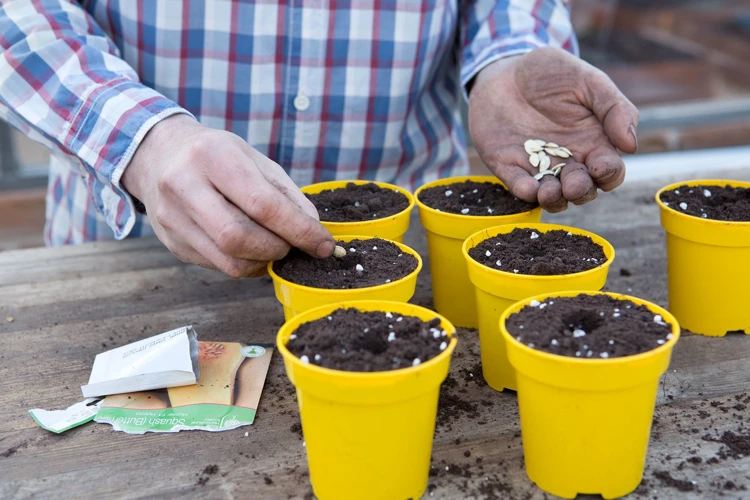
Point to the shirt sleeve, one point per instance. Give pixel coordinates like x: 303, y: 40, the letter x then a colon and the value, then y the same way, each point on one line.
x: 63, y: 84
x: 491, y: 30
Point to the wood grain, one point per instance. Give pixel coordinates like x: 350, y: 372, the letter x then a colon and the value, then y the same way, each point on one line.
x: 71, y: 303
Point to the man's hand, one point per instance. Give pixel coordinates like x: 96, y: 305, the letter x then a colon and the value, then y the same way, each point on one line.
x: 551, y: 95
x: 215, y: 201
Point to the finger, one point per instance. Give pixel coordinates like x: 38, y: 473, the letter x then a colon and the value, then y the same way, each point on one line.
x: 615, y: 112
x: 550, y: 194
x: 245, y: 187
x: 232, y: 231
x: 577, y: 185
x: 233, y: 267
x: 511, y: 165
x: 278, y: 178
x: 606, y: 167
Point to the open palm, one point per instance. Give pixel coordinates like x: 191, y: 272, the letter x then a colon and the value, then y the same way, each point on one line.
x: 551, y: 95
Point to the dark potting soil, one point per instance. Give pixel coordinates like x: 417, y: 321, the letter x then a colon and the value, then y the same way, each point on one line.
x: 710, y: 202
x: 380, y: 262
x: 358, y: 202
x: 373, y: 341
x: 474, y: 198
x: 525, y: 251
x: 587, y: 326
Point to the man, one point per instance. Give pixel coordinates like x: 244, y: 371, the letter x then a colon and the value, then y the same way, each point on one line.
x: 211, y: 113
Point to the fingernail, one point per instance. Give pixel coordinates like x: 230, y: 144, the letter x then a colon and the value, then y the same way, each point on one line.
x: 635, y: 137
x: 325, y: 249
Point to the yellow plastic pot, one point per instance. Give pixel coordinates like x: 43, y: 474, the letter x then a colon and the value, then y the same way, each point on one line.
x: 707, y: 268
x: 388, y: 228
x: 298, y: 298
x: 585, y: 423
x: 368, y: 435
x: 497, y: 290
x: 452, y: 291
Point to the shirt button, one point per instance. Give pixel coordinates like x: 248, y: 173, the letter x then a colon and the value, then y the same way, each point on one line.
x: 301, y: 102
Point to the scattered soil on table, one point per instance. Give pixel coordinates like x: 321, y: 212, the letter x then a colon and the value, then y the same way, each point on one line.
x: 725, y: 203
x: 379, y: 262
x: 204, y: 476
x: 589, y: 326
x: 525, y: 251
x: 474, y: 198
x: 666, y: 479
x: 358, y: 202
x: 373, y: 341
x: 452, y: 406
x: 625, y: 272
x: 737, y: 445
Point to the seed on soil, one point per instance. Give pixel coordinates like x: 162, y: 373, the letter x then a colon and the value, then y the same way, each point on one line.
x: 339, y: 252
x: 359, y: 268
x: 443, y: 345
x: 578, y: 333
x: 464, y: 211
x: 706, y: 193
x: 391, y: 337
x: 416, y: 362
x: 448, y: 193
x: 388, y: 315
x: 683, y: 205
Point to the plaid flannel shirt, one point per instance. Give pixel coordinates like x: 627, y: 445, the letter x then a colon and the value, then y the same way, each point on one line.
x: 329, y: 89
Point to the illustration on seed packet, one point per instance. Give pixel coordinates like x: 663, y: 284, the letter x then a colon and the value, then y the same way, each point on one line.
x: 226, y: 396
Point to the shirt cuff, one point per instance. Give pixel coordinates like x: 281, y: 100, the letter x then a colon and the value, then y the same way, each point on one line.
x: 105, y: 133
x: 499, y: 49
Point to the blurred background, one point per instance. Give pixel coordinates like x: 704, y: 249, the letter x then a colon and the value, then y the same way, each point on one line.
x: 682, y: 62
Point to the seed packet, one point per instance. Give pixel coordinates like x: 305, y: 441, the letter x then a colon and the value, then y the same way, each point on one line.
x: 225, y: 397
x: 165, y: 360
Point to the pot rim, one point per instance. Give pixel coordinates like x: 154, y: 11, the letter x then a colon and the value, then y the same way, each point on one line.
x: 609, y: 250
x: 282, y: 337
x: 341, y: 184
x: 276, y: 278
x: 655, y: 308
x: 705, y: 182
x: 462, y: 178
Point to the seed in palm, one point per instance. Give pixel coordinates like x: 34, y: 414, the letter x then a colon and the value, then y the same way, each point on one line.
x: 534, y: 160
x: 544, y: 162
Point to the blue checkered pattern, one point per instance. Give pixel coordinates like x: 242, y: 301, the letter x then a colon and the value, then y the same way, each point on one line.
x: 377, y: 85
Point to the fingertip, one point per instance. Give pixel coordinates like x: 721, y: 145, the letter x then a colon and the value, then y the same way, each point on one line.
x: 551, y: 196
x: 325, y: 248
x: 576, y: 182
x: 526, y: 188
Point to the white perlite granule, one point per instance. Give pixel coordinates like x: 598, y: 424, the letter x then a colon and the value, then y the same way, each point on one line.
x: 534, y: 303
x: 448, y: 193
x: 534, y: 235
x: 683, y: 205
x: 416, y: 362
x: 578, y: 333
x: 443, y: 345
x: 464, y: 211
x: 359, y: 268
x: 305, y: 360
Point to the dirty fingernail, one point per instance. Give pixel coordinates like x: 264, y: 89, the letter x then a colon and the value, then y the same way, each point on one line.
x: 635, y: 137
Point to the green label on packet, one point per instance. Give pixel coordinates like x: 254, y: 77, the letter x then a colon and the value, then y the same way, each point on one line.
x: 207, y: 417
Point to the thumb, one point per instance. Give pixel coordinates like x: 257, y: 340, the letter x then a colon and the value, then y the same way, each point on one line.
x: 618, y: 116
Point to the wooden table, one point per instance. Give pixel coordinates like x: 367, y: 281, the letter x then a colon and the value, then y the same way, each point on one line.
x: 71, y: 303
